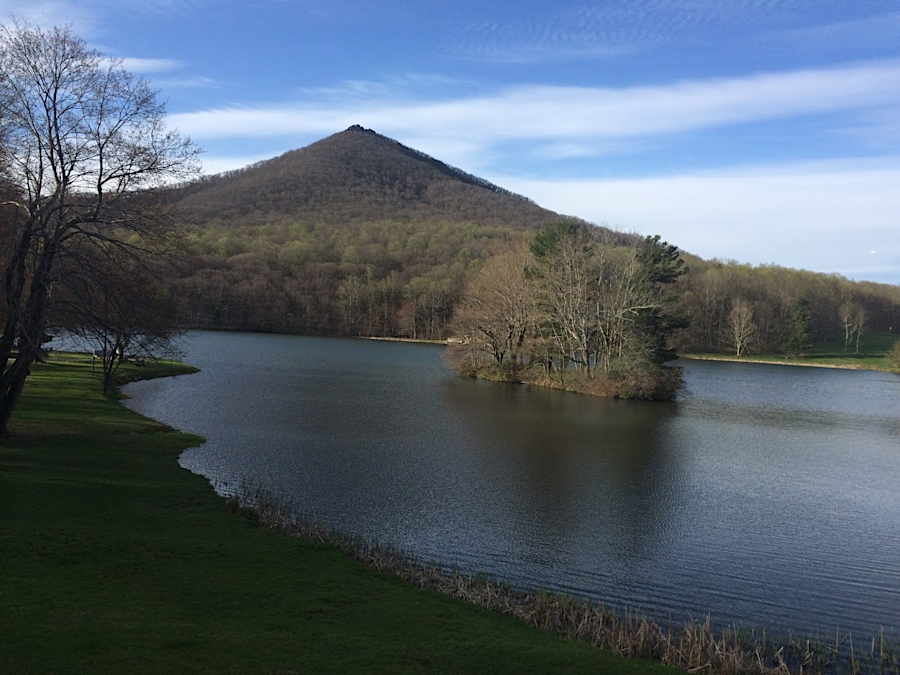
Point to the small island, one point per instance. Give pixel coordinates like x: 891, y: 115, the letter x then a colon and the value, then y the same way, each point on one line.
x: 575, y: 309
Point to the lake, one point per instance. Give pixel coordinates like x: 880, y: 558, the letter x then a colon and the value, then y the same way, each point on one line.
x: 766, y: 496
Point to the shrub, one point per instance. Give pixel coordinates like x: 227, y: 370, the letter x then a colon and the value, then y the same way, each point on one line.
x: 893, y: 356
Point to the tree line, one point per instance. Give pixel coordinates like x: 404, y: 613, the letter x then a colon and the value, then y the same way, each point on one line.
x: 743, y: 309
x: 406, y: 279
x: 386, y: 278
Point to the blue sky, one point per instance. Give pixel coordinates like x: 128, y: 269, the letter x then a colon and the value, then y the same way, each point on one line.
x: 764, y: 131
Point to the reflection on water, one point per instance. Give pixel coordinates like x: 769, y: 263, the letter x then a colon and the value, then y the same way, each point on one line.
x: 767, y: 495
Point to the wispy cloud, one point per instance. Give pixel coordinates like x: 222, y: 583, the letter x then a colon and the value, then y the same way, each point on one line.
x: 613, y: 28
x: 161, y: 7
x: 91, y: 19
x: 189, y: 82
x: 570, y: 114
x: 565, y: 150
x: 142, y: 66
x: 85, y: 21
x: 551, y: 37
x: 618, y: 27
x: 667, y: 20
x: 213, y: 164
x: 870, y: 31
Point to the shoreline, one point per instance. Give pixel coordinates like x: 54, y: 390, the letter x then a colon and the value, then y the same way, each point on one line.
x: 402, y: 339
x: 597, y: 391
x: 801, y: 364
x: 690, y: 356
x: 692, y: 645
x: 170, y: 581
x: 628, y: 634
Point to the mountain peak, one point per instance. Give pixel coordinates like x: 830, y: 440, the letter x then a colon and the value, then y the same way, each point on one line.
x: 357, y: 175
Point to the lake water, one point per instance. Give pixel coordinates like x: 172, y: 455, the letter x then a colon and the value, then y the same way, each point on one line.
x: 766, y: 496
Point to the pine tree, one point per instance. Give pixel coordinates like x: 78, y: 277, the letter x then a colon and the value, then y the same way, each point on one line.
x: 798, y: 339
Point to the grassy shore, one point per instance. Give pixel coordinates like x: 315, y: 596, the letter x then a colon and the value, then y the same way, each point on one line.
x: 115, y: 560
x: 873, y: 350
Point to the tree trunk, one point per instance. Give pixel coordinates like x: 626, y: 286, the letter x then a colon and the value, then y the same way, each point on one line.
x: 10, y: 390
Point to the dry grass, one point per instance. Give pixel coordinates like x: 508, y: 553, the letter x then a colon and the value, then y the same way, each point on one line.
x: 695, y: 647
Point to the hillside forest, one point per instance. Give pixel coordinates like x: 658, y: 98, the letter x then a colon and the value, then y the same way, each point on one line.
x: 404, y: 279
x: 358, y: 235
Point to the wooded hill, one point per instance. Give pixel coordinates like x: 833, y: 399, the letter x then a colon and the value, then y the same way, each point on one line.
x: 354, y: 234
x: 356, y: 176
x: 358, y: 234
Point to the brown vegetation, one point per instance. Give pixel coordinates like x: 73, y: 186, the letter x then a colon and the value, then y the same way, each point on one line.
x: 573, y: 311
x: 359, y: 235
x: 356, y: 176
x: 693, y: 646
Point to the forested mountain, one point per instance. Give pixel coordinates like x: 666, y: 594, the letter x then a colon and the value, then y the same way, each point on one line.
x: 351, y: 177
x: 358, y: 234
x: 354, y: 234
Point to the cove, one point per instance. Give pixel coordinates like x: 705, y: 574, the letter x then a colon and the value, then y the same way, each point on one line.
x: 766, y: 496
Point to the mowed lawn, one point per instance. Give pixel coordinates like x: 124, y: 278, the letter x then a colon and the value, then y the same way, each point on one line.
x: 113, y: 559
x: 873, y: 350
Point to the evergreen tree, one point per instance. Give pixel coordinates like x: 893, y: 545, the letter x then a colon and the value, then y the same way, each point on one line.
x: 798, y: 338
x: 661, y: 264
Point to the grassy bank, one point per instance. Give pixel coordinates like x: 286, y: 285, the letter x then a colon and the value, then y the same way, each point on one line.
x: 115, y: 559
x: 695, y: 646
x: 873, y: 350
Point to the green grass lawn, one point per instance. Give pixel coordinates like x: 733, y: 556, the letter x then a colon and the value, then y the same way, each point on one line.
x: 872, y: 347
x: 115, y: 560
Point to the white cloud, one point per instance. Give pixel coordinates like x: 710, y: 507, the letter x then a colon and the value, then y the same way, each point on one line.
x: 48, y: 13
x: 85, y: 23
x: 218, y: 163
x: 189, y: 82
x: 827, y: 217
x: 571, y: 113
x: 142, y: 66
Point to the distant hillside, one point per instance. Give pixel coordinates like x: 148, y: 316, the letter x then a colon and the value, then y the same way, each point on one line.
x: 355, y: 234
x: 358, y: 234
x: 356, y: 176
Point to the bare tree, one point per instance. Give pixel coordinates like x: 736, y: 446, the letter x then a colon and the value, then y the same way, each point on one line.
x: 594, y: 314
x: 711, y: 292
x: 859, y: 323
x: 564, y: 293
x: 86, y: 153
x: 741, y: 329
x: 118, y: 309
x: 624, y: 293
x: 349, y: 294
x: 600, y: 304
x: 493, y: 315
x: 853, y: 319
